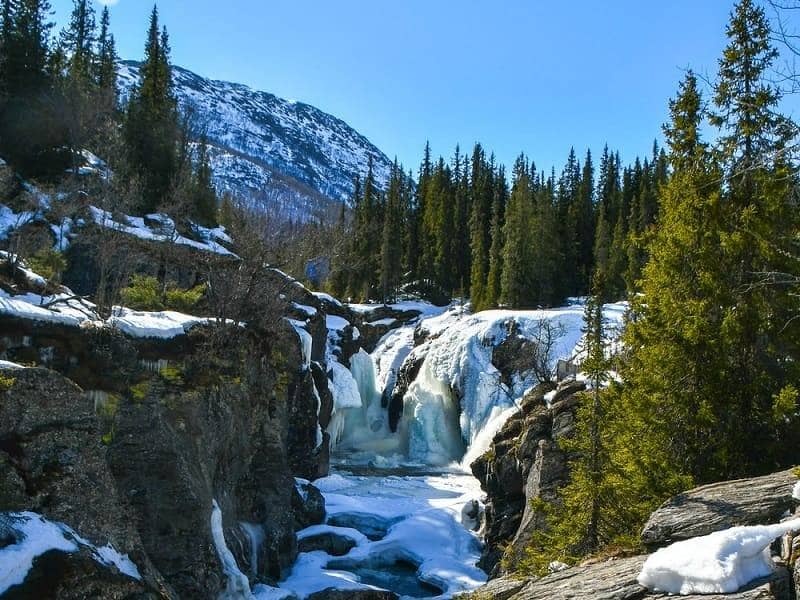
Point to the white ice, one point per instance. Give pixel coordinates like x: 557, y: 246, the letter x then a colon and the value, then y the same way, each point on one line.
x: 237, y: 585
x: 418, y: 521
x: 720, y: 563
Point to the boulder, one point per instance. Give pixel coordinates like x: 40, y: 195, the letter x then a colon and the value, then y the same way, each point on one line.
x: 308, y: 505
x: 329, y: 542
x: 615, y: 580
x: 717, y: 506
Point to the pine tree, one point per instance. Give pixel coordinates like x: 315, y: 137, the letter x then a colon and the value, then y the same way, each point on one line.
x: 494, y: 285
x: 480, y: 224
x: 516, y: 277
x: 105, y: 69
x: 205, y: 195
x: 78, y: 41
x: 31, y: 136
x: 151, y: 125
x: 391, y: 236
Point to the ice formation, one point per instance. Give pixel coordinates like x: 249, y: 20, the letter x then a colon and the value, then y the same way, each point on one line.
x: 412, y: 520
x: 457, y: 402
x: 719, y: 563
x: 237, y: 586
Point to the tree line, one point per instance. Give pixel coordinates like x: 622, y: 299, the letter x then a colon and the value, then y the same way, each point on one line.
x: 461, y: 229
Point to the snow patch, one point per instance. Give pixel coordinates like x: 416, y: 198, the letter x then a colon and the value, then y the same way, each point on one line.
x: 33, y: 535
x: 719, y: 563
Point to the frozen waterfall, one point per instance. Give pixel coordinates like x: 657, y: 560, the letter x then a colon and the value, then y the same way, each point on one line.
x: 458, y: 400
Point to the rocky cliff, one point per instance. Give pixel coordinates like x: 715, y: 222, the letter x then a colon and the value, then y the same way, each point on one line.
x: 128, y: 442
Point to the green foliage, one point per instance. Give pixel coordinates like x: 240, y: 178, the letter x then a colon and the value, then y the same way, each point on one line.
x: 140, y: 391
x: 6, y: 383
x: 172, y: 375
x: 48, y: 263
x: 151, y: 124
x: 147, y: 293
x: 784, y: 405
x: 143, y: 293
x: 184, y: 300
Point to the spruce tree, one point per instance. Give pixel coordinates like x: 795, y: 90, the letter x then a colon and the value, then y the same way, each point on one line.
x: 151, y: 125
x: 495, y: 278
x: 516, y: 277
x: 78, y: 41
x: 391, y: 236
x: 105, y: 69
x: 205, y: 195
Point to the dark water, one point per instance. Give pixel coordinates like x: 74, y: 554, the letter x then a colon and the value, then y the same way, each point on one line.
x: 400, y: 578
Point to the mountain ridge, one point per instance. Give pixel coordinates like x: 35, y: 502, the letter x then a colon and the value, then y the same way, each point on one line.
x: 280, y: 155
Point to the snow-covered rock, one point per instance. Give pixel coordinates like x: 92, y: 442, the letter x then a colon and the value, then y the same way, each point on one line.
x: 31, y: 535
x: 719, y: 563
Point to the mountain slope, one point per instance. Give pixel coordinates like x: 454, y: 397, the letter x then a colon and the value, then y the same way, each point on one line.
x: 288, y: 157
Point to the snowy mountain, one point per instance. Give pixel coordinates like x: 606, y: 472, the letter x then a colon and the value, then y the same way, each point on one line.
x: 288, y: 157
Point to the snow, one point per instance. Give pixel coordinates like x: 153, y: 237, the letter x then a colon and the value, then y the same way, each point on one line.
x: 425, y: 309
x: 237, y: 585
x: 75, y: 312
x: 33, y: 535
x: 335, y: 323
x: 719, y: 563
x: 308, y: 311
x: 162, y: 325
x: 5, y: 364
x: 796, y: 491
x: 327, y: 298
x: 388, y: 322
x: 417, y: 517
x: 167, y: 232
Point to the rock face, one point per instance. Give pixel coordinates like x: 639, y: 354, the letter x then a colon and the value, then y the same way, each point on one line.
x: 616, y: 580
x: 166, y: 428
x: 717, y: 506
x: 525, y: 463
x: 53, y: 463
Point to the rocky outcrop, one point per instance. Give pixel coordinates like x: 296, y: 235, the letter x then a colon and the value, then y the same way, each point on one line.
x: 710, y: 508
x: 616, y: 580
x: 166, y: 428
x: 54, y: 464
x: 525, y: 463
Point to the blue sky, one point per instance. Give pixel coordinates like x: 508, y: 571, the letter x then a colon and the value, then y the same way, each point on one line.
x: 518, y: 75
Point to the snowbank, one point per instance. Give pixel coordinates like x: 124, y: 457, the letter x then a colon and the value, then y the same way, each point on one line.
x: 32, y: 535
x: 719, y: 563
x: 66, y: 309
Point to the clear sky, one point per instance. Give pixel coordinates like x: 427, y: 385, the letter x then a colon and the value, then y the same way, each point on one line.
x: 518, y: 75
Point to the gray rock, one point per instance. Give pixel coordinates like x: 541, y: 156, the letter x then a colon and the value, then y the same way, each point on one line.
x: 308, y: 504
x: 717, y: 506
x: 616, y: 580
x: 329, y: 542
